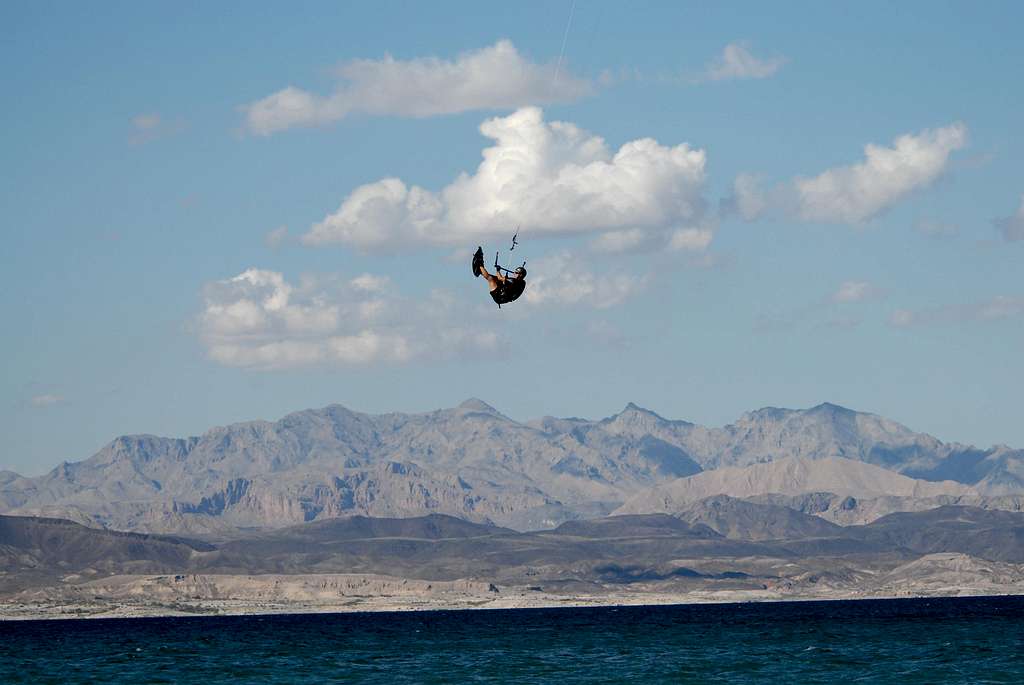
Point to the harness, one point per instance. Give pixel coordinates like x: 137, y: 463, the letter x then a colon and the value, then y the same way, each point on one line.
x: 507, y: 292
x: 500, y: 295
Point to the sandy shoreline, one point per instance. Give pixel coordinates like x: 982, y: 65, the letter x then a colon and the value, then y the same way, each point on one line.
x: 197, y: 594
x: 17, y: 611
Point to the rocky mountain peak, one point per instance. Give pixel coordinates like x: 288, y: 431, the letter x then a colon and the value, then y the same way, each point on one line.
x: 472, y: 461
x: 765, y: 414
x: 829, y: 408
x: 823, y: 414
x: 631, y: 419
x: 633, y: 413
x: 478, y: 405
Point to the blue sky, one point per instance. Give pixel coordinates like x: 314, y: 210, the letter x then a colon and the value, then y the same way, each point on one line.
x: 199, y: 225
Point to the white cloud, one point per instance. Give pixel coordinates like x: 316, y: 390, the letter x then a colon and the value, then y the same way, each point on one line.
x: 1012, y: 227
x: 41, y: 401
x: 495, y: 77
x: 857, y: 193
x: 995, y: 309
x: 552, y: 178
x: 258, y: 319
x: 856, y: 291
x: 736, y: 62
x: 563, y: 280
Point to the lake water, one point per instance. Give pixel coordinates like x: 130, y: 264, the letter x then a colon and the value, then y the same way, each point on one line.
x: 965, y: 640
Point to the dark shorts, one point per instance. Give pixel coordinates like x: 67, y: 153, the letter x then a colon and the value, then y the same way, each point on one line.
x: 508, y: 291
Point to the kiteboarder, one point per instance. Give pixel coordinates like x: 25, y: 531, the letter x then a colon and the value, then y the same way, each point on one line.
x: 504, y: 287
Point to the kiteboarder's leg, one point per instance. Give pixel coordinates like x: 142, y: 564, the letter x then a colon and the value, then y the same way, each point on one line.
x: 493, y: 281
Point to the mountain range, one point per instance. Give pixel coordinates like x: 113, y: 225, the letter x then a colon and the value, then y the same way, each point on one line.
x: 474, y: 463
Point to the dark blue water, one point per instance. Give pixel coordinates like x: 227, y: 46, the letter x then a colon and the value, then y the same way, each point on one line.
x: 886, y: 641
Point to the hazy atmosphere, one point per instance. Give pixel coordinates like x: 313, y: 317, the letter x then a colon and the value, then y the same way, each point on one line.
x: 230, y: 211
x: 564, y: 341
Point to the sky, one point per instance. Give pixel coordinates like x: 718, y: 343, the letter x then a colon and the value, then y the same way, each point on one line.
x: 217, y: 212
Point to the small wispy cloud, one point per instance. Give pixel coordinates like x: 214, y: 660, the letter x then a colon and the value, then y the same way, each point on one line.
x: 370, y: 283
x: 827, y: 312
x: 152, y: 126
x: 47, y: 400
x: 146, y: 122
x: 859, y: 192
x: 737, y: 62
x: 748, y: 198
x: 856, y: 291
x: 694, y: 239
x: 997, y: 308
x: 494, y: 77
x: 276, y: 238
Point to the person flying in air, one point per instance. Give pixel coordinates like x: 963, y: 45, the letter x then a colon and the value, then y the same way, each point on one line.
x: 504, y: 288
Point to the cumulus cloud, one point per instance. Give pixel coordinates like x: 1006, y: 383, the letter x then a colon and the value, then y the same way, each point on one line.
x: 857, y: 193
x: 258, y: 319
x: 737, y: 62
x: 856, y: 291
x: 1012, y: 227
x: 495, y: 77
x: 553, y: 178
x: 561, y: 280
x: 995, y: 309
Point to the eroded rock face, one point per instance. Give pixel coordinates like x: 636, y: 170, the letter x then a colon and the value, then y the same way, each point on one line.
x: 791, y: 476
x: 473, y: 462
